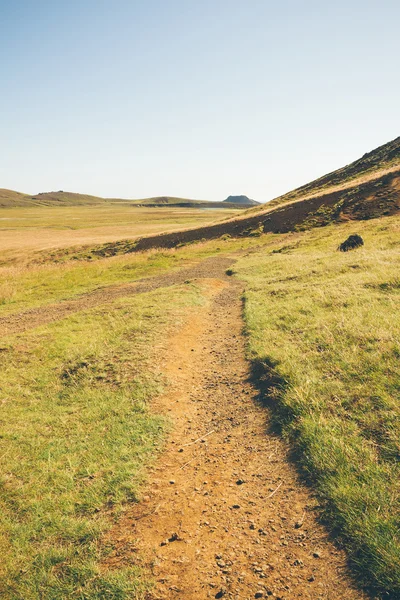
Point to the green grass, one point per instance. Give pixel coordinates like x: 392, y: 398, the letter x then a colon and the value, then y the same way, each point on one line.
x: 324, y: 329
x: 76, y: 430
x: 76, y: 434
x: 38, y: 285
x: 31, y: 286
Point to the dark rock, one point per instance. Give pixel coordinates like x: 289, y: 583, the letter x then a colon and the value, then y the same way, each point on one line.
x: 298, y: 524
x: 352, y: 242
x: 298, y: 563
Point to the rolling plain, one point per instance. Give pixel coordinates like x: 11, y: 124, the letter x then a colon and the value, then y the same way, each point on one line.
x: 203, y: 404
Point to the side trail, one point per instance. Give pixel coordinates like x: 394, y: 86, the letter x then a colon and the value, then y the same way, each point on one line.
x: 48, y: 313
x: 223, y: 514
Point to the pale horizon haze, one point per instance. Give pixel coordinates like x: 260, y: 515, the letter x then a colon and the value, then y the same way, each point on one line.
x: 193, y: 99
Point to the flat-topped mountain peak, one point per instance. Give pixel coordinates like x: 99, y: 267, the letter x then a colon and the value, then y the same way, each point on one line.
x: 241, y: 200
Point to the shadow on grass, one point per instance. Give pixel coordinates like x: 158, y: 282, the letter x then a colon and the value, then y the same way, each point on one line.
x: 272, y: 387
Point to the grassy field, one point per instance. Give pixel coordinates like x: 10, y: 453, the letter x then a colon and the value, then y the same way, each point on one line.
x: 29, y: 286
x: 324, y: 338
x: 76, y: 426
x: 26, y: 232
x: 75, y: 436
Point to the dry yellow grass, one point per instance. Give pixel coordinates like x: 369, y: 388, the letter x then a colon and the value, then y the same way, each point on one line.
x: 25, y: 231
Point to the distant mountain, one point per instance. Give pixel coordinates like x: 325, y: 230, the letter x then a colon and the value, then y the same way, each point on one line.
x: 241, y: 200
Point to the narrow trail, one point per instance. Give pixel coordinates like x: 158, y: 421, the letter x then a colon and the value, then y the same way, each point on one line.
x: 48, y: 313
x: 224, y: 514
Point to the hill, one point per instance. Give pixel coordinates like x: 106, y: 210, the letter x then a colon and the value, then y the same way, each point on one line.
x: 160, y: 201
x: 367, y: 188
x: 373, y: 166
x: 167, y: 201
x: 10, y: 198
x: 241, y: 200
x: 62, y: 198
x: 87, y: 340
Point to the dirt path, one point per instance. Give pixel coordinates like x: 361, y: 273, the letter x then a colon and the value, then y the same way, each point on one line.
x: 224, y: 515
x: 35, y: 317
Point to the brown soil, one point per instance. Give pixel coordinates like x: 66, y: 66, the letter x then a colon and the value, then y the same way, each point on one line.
x: 224, y: 513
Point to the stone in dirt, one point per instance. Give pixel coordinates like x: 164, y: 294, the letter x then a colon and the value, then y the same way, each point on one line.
x: 352, y: 242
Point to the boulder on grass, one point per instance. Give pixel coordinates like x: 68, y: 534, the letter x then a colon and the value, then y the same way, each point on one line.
x: 352, y: 242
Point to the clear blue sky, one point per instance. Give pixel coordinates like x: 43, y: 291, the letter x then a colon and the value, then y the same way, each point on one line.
x: 193, y: 98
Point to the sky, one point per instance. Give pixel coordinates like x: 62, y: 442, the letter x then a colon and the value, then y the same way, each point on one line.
x: 189, y: 98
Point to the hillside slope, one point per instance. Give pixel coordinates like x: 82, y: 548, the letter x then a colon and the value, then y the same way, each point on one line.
x: 376, y: 198
x: 11, y: 199
x: 368, y: 188
x: 371, y: 166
